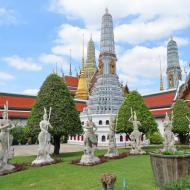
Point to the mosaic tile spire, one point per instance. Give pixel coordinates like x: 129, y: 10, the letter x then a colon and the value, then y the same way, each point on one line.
x: 173, y: 66
x: 106, y: 95
x: 107, y: 44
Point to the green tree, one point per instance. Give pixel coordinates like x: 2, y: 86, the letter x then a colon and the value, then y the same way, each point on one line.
x: 180, y: 122
x: 64, y: 117
x: 135, y: 101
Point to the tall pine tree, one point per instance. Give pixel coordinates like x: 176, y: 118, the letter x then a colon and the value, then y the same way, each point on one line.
x: 64, y: 117
x: 135, y: 101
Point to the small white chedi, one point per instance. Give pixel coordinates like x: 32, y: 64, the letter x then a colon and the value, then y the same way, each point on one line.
x: 90, y: 143
x: 6, y: 152
x: 112, y: 148
x: 169, y: 138
x: 135, y: 136
x: 44, y: 141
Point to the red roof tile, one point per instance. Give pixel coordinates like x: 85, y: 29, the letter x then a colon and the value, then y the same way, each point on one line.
x: 17, y: 114
x: 16, y: 101
x: 160, y: 113
x: 159, y: 100
x: 80, y: 106
x: 71, y: 81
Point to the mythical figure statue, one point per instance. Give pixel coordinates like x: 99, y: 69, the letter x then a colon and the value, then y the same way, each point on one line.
x: 6, y: 139
x: 44, y: 141
x: 169, y: 138
x: 112, y: 149
x: 90, y: 143
x: 135, y: 135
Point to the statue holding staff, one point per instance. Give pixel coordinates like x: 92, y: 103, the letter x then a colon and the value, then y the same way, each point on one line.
x: 6, y: 139
x: 135, y: 136
x: 44, y: 139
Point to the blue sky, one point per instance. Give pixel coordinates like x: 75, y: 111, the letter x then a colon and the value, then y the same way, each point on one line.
x: 36, y: 34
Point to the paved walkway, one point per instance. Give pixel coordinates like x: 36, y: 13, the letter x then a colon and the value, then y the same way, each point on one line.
x: 28, y: 150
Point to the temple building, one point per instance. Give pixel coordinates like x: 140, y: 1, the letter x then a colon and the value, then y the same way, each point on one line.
x: 107, y: 94
x: 90, y: 67
x: 173, y: 66
x: 97, y: 91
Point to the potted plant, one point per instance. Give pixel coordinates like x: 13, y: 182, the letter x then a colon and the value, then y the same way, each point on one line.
x: 169, y: 164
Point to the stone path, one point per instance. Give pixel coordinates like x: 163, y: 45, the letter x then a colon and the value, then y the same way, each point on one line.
x: 28, y: 150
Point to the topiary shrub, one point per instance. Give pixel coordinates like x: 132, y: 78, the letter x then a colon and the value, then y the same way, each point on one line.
x: 20, y: 135
x: 156, y: 138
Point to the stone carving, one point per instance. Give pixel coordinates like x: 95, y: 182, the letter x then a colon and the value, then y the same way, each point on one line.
x: 90, y: 143
x: 6, y: 152
x: 44, y: 141
x: 112, y: 149
x: 169, y: 138
x: 135, y: 136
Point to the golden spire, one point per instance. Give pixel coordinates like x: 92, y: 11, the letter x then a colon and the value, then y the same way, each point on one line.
x: 161, y: 80
x: 82, y: 90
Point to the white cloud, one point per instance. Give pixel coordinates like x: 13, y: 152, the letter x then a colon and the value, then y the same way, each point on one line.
x: 25, y: 64
x: 30, y: 91
x: 149, y: 20
x: 5, y: 77
x: 140, y: 66
x: 71, y: 37
x: 7, y: 16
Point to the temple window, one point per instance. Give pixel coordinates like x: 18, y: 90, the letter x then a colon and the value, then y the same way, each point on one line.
x: 103, y: 138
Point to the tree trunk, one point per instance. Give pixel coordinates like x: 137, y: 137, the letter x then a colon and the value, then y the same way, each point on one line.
x: 183, y: 138
x: 56, y: 144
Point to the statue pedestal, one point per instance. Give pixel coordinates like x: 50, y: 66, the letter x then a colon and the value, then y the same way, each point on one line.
x: 89, y: 159
x: 136, y: 151
x: 6, y: 169
x: 112, y: 152
x: 41, y: 161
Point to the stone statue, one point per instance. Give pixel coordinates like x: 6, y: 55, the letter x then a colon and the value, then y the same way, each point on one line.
x: 44, y: 141
x: 6, y: 139
x: 135, y: 136
x: 112, y: 149
x: 169, y: 138
x: 90, y: 143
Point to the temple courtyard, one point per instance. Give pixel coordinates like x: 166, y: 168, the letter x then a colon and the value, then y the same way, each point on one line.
x: 63, y: 176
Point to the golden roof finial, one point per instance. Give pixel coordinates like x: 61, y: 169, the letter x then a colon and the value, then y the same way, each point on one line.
x: 82, y: 90
x: 161, y: 80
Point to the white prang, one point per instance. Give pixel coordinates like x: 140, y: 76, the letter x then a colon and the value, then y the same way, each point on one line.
x: 135, y: 135
x: 112, y: 148
x: 44, y: 138
x: 169, y: 138
x: 90, y: 143
x: 6, y: 152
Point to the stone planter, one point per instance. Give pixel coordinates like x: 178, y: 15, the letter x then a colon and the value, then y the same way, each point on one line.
x: 108, y: 181
x: 168, y: 168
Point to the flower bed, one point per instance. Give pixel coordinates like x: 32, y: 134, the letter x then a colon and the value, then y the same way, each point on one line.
x: 47, y: 163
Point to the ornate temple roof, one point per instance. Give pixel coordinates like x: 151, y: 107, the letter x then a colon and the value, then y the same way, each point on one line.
x: 172, y: 54
x: 91, y: 60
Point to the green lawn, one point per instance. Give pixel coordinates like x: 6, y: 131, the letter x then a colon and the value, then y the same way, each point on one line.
x: 66, y: 176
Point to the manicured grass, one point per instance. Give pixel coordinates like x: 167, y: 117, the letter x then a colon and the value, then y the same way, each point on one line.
x: 66, y: 176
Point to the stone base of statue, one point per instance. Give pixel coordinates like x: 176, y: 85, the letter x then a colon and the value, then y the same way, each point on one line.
x: 112, y: 151
x: 88, y: 158
x: 42, y: 161
x: 137, y: 151
x: 7, y: 169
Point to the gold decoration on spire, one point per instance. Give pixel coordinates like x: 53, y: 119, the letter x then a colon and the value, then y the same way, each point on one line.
x: 161, y: 79
x: 82, y: 90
